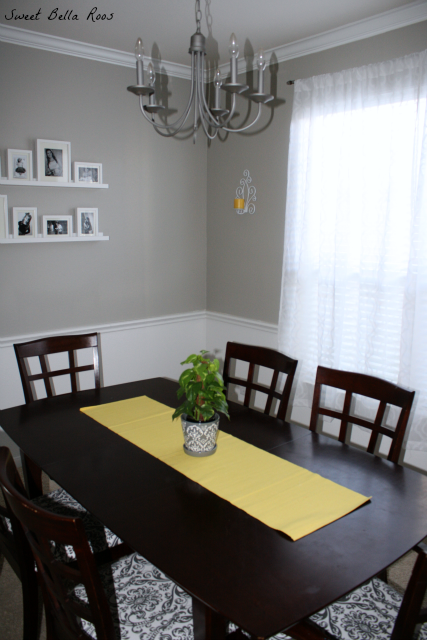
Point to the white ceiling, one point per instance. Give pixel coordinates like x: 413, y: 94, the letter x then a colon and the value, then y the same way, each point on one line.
x: 165, y: 26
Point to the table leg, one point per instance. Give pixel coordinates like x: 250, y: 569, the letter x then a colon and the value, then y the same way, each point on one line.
x: 208, y: 625
x: 32, y: 477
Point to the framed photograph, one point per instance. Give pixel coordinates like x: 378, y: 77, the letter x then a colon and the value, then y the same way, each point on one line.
x: 88, y: 172
x: 4, y: 218
x: 25, y: 222
x: 57, y: 226
x: 53, y: 161
x: 87, y: 222
x: 19, y: 164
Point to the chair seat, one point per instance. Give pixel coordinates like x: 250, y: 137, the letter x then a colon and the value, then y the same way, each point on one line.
x: 144, y: 602
x: 367, y: 613
x: 61, y: 503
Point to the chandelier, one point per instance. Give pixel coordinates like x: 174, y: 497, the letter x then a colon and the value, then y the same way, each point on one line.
x: 212, y: 118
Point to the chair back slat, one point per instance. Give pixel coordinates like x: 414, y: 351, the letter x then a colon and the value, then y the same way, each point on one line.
x: 73, y: 376
x: 48, y: 346
x: 385, y: 392
x: 346, y: 411
x: 261, y: 357
x: 46, y: 375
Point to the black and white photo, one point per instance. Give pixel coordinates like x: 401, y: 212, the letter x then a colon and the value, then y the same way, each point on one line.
x: 53, y: 161
x: 87, y: 222
x: 89, y: 172
x: 57, y: 226
x: 19, y: 164
x: 24, y: 222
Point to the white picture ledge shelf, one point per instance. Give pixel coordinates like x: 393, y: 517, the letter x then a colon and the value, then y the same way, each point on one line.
x: 41, y: 183
x: 56, y: 239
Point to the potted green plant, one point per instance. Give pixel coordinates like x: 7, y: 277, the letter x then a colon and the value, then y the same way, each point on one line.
x: 203, y: 387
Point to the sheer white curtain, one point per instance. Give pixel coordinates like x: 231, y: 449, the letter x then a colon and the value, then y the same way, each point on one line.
x: 354, y: 288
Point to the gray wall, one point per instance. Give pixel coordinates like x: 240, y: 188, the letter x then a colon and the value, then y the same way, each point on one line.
x: 154, y: 210
x: 159, y: 259
x: 245, y: 252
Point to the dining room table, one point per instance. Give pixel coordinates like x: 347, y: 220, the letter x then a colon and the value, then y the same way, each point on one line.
x: 235, y: 567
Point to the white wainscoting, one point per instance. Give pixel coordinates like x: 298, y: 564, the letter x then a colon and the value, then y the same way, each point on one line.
x: 155, y: 347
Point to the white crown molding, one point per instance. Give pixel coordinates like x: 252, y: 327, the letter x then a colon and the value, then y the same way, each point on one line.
x: 110, y: 328
x: 387, y: 21
x: 27, y: 38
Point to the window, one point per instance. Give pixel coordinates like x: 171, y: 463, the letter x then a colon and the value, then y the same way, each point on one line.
x: 354, y: 293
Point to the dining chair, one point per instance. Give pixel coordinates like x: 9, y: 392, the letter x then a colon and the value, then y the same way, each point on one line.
x: 17, y: 552
x: 373, y: 611
x: 385, y: 392
x: 23, y: 565
x: 58, y: 500
x: 128, y: 598
x: 261, y: 357
x: 41, y: 349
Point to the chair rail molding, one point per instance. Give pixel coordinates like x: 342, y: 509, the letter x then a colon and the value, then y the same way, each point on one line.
x: 154, y: 347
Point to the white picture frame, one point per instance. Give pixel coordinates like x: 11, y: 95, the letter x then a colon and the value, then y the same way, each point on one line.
x: 53, y: 161
x: 88, y: 172
x: 87, y: 222
x: 4, y: 217
x: 24, y: 227
x: 57, y: 226
x: 19, y: 164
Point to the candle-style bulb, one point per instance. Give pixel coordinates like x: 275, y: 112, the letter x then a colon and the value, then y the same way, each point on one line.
x: 260, y: 60
x: 233, y: 46
x: 151, y: 74
x: 217, y: 79
x: 139, y: 50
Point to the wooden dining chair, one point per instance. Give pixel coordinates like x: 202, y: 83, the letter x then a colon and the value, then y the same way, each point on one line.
x: 58, y: 344
x: 15, y: 547
x: 41, y: 349
x: 385, y: 392
x: 374, y: 610
x: 262, y: 357
x: 20, y: 559
x: 85, y: 598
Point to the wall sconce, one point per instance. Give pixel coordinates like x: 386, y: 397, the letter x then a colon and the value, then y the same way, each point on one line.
x: 242, y: 204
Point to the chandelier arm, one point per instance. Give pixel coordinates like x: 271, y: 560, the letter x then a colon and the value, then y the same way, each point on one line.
x: 247, y: 126
x: 200, y: 101
x: 178, y: 124
x: 205, y: 112
x: 213, y: 122
x: 206, y: 124
x: 157, y: 127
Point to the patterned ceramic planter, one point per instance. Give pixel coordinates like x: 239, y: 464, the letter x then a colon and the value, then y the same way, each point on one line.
x: 199, y: 437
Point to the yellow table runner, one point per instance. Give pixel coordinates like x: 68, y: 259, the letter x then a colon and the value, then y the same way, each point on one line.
x: 277, y: 492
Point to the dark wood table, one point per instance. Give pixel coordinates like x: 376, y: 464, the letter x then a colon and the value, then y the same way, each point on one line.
x: 235, y: 567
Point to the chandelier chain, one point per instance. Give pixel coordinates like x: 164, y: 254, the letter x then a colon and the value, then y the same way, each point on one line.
x: 198, y: 16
